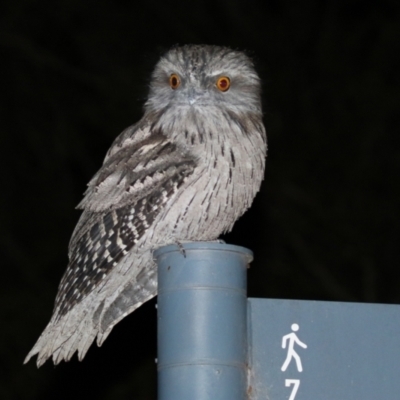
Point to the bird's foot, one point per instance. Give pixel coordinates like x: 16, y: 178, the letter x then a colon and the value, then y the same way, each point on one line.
x: 181, y: 248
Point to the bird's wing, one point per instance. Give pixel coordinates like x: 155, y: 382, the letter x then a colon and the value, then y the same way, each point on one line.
x: 132, y: 172
x: 122, y: 201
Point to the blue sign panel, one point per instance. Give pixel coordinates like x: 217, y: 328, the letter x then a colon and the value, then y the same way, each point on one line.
x: 313, y: 350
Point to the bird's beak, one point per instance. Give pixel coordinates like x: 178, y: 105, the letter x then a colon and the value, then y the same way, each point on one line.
x: 194, y: 95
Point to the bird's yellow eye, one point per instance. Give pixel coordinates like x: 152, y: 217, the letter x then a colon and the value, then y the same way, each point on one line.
x: 223, y: 83
x: 174, y: 81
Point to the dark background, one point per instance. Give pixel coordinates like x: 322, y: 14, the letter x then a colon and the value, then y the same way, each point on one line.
x: 325, y: 225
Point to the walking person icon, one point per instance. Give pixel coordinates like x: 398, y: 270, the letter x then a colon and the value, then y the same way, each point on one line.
x: 288, y: 341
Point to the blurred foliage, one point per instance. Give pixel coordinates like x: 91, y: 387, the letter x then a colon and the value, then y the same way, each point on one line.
x: 325, y: 225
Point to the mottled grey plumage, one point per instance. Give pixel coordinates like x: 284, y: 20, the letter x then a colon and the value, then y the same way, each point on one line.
x: 186, y: 171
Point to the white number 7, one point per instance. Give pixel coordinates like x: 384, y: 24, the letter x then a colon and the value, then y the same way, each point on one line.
x: 295, y: 383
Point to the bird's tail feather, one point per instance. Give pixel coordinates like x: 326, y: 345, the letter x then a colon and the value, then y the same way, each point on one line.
x: 77, y: 330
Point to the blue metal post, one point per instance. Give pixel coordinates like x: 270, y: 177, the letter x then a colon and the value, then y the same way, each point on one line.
x: 202, y: 321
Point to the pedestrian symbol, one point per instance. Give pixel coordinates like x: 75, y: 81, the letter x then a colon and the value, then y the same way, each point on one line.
x: 289, y: 341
